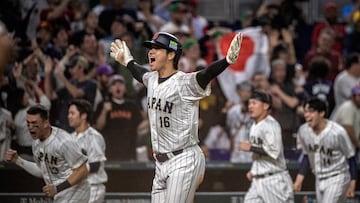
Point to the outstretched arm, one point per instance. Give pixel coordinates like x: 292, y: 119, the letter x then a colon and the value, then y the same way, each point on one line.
x: 121, y: 53
x: 30, y: 167
x: 205, y: 76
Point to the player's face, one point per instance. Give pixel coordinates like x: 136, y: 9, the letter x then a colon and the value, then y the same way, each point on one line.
x: 159, y: 58
x: 74, y: 117
x: 313, y: 117
x: 37, y: 126
x: 258, y: 109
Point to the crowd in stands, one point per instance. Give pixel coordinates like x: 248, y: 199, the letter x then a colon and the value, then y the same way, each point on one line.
x: 57, y: 50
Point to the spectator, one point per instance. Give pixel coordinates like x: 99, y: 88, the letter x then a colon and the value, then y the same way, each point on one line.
x: 103, y: 74
x: 93, y: 52
x: 118, y: 120
x: 317, y: 84
x: 57, y: 11
x: 239, y: 123
x: 117, y: 9
x: 145, y: 13
x: 198, y: 22
x: 60, y: 41
x: 284, y: 90
x: 347, y: 79
x: 218, y: 143
x: 78, y: 86
x: 179, y: 22
x: 191, y: 59
x: 348, y: 115
x: 91, y: 26
x: 352, y: 39
x: 323, y: 47
x: 331, y: 14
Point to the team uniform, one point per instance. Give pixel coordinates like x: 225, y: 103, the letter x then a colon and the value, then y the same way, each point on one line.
x: 328, y: 153
x: 94, y: 144
x: 56, y: 157
x: 173, y: 116
x: 271, y: 181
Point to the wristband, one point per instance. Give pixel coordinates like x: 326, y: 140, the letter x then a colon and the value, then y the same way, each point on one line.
x: 62, y: 186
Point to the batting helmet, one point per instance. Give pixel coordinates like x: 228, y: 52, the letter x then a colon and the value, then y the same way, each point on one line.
x: 168, y: 42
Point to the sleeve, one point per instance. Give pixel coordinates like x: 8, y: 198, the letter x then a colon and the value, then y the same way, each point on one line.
x: 145, y: 78
x: 190, y: 89
x: 272, y: 140
x: 73, y: 154
x: 345, y: 144
x: 96, y: 151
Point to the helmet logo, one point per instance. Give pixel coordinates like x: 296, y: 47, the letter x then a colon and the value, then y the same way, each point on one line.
x: 173, y: 45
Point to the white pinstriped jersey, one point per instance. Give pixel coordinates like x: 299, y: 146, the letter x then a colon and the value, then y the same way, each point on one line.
x: 328, y: 151
x: 173, y: 110
x: 94, y: 144
x: 57, y: 156
x: 267, y: 135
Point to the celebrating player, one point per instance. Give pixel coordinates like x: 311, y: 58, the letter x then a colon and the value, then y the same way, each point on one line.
x: 93, y: 143
x: 58, y: 159
x: 270, y: 181
x: 173, y: 106
x: 328, y: 151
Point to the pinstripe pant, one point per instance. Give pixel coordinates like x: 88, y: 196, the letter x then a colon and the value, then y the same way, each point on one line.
x: 332, y: 189
x: 275, y: 188
x: 177, y: 179
x: 97, y: 193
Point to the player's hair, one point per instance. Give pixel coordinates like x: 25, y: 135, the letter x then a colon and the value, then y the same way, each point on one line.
x: 317, y: 104
x: 83, y: 106
x: 262, y: 96
x: 39, y: 109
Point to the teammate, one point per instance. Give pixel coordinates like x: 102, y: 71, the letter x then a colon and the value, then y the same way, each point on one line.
x: 328, y: 151
x: 173, y: 105
x: 93, y: 143
x: 270, y: 181
x: 58, y: 159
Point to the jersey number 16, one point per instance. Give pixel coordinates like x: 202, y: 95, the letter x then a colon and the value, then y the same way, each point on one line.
x: 164, y: 122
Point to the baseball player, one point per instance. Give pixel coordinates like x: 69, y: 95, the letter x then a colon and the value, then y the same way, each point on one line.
x: 270, y: 180
x: 328, y: 151
x: 93, y: 143
x: 58, y: 159
x: 173, y: 106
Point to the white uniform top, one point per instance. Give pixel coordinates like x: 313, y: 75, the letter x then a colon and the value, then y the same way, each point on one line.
x: 94, y: 144
x: 267, y: 135
x: 57, y: 156
x: 173, y: 109
x: 328, y: 151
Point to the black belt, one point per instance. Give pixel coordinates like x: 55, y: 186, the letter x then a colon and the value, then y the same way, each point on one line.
x: 162, y: 157
x: 266, y: 174
x: 333, y: 175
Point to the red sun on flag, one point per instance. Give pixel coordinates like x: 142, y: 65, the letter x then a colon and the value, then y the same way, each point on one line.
x: 247, y: 50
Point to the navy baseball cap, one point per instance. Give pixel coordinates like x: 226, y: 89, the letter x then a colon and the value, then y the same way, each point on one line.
x: 164, y: 40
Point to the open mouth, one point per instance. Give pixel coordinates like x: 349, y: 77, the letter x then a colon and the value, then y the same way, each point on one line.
x: 152, y: 60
